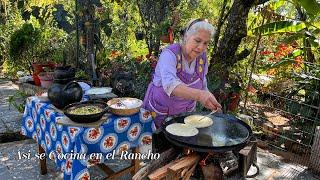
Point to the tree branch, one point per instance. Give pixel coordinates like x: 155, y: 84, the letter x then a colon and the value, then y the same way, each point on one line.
x: 243, y: 54
x: 221, y: 21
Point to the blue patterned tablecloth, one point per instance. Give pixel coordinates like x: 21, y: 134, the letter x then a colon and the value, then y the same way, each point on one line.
x: 70, y: 147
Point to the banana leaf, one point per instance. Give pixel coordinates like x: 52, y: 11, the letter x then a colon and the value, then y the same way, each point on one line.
x: 311, y: 6
x: 278, y: 27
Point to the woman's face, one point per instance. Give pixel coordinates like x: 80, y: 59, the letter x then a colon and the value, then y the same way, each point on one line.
x: 197, y: 43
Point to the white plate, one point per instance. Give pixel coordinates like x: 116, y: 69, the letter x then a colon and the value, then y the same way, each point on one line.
x: 99, y: 90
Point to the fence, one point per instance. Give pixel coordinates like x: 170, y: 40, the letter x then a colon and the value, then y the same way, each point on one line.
x: 289, y: 116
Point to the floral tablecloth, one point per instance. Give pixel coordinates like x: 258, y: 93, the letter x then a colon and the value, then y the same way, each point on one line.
x: 70, y: 147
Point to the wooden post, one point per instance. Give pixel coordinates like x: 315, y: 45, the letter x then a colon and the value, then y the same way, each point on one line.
x: 247, y: 156
x: 135, y: 163
x: 315, y: 156
x: 42, y: 162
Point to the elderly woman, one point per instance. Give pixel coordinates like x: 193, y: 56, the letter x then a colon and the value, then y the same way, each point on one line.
x: 179, y: 80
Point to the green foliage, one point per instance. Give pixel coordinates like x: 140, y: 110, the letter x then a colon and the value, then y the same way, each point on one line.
x: 18, y: 101
x: 81, y: 74
x: 61, y: 17
x: 140, y: 67
x: 3, y: 49
x: 23, y: 39
x: 22, y: 45
x: 116, y: 23
x: 311, y: 6
x: 31, y: 44
x: 162, y: 29
x: 9, y: 69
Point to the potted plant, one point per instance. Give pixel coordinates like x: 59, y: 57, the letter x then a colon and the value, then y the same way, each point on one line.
x: 165, y: 32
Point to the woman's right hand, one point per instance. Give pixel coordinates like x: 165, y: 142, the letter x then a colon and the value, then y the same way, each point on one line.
x: 208, y: 100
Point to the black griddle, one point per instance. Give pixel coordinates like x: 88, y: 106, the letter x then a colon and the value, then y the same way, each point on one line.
x: 225, y: 134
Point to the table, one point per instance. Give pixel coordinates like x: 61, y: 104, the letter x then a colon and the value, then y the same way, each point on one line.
x: 70, y: 147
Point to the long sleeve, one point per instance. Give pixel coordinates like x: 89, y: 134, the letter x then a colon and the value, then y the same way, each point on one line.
x: 166, y: 72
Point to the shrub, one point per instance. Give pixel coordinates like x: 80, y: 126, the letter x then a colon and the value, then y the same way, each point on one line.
x: 22, y: 46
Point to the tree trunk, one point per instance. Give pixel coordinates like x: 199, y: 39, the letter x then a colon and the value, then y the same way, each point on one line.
x: 310, y: 55
x: 224, y: 55
x: 235, y: 31
x: 89, y: 29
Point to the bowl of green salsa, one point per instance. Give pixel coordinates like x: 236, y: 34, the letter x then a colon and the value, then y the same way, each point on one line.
x: 86, y: 112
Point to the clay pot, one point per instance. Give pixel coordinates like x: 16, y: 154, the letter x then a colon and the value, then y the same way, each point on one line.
x: 64, y: 72
x: 38, y: 68
x: 46, y: 79
x: 36, y: 79
x: 165, y: 39
x: 234, y: 100
x: 62, y: 95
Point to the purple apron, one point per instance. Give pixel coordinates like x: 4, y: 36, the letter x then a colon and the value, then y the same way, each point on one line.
x: 160, y: 104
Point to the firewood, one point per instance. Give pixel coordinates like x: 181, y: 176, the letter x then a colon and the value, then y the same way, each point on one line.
x: 160, y: 173
x: 185, y: 162
x: 189, y: 173
x: 183, y: 167
x: 177, y: 168
x: 165, y: 157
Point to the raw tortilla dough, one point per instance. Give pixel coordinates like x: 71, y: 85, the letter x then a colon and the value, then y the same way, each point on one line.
x: 180, y: 129
x: 197, y: 122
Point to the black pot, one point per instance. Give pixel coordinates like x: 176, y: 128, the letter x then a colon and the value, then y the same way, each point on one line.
x: 64, y: 72
x: 86, y: 118
x: 61, y: 95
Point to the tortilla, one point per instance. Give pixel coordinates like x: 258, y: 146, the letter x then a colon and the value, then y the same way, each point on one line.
x: 197, y: 122
x: 180, y: 129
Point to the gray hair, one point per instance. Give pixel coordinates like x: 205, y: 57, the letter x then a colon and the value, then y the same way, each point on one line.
x: 194, y: 28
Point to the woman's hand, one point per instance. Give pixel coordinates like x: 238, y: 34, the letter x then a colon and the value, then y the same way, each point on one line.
x: 208, y: 100
x: 205, y: 97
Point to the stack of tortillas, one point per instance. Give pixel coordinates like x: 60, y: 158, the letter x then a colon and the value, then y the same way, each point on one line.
x: 198, y: 121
